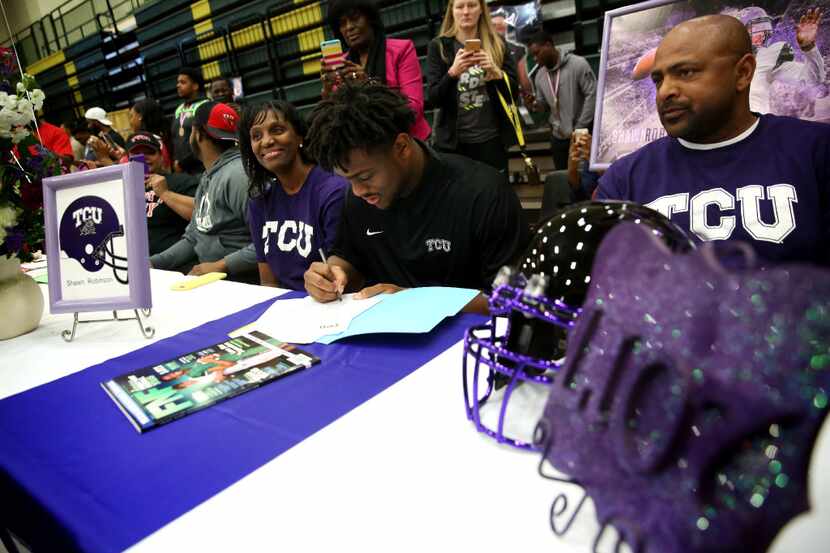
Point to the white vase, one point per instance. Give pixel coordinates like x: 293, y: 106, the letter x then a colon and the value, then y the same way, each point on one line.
x: 21, y: 301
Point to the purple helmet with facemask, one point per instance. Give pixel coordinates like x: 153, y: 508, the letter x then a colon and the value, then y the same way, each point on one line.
x: 689, y: 408
x: 88, y: 229
x: 536, y: 303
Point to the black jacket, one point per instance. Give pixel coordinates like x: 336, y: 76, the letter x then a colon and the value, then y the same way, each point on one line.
x: 442, y: 93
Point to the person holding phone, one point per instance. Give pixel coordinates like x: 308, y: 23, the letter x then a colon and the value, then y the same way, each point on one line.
x: 466, y: 68
x: 583, y: 181
x: 104, y: 146
x: 566, y: 88
x: 101, y: 126
x: 371, y: 55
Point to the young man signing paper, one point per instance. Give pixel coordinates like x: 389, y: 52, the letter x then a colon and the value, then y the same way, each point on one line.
x: 412, y: 217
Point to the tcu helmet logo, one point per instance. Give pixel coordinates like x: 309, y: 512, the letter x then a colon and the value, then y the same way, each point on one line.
x: 87, y: 231
x: 438, y: 245
x: 88, y: 216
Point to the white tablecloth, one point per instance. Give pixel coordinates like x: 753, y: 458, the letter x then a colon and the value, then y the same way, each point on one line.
x: 405, y: 471
x: 42, y: 355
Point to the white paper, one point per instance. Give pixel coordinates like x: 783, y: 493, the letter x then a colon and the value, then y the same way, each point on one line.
x: 304, y: 320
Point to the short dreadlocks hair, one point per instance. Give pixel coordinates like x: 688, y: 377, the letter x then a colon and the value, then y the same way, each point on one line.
x: 361, y: 116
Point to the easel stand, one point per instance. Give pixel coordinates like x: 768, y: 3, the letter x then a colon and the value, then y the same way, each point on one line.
x: 147, y: 331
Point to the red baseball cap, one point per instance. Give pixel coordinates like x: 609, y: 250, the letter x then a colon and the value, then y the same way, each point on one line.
x: 219, y: 120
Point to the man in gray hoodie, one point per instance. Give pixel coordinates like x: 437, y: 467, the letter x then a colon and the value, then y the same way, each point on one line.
x: 566, y: 87
x: 217, y: 239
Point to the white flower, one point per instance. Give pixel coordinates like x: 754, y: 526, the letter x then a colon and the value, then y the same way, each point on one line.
x: 9, y: 101
x: 19, y: 133
x: 7, y: 119
x: 37, y: 98
x: 22, y: 118
x: 8, y: 217
x: 21, y: 88
x: 24, y: 106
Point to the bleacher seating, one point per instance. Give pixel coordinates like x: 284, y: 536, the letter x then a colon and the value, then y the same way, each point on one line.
x: 272, y: 46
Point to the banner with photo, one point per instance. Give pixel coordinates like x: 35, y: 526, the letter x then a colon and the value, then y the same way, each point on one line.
x: 788, y: 80
x: 521, y: 20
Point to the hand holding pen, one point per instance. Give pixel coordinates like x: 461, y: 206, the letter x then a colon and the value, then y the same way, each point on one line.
x: 325, y: 282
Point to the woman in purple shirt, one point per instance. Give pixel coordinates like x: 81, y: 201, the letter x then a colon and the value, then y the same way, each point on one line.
x: 294, y: 205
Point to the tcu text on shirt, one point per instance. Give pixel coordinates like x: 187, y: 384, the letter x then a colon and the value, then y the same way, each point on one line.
x: 746, y: 204
x: 289, y: 236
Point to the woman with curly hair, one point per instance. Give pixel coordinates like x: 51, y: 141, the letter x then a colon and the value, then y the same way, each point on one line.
x: 294, y: 205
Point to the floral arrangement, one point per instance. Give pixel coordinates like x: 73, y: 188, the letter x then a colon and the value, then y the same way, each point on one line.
x: 23, y: 162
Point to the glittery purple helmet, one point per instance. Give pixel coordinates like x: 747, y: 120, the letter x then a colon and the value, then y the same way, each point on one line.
x: 533, y: 306
x: 87, y: 231
x: 757, y: 22
x: 691, y: 401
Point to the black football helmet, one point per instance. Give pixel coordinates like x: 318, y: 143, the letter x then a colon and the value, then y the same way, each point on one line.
x: 540, y: 299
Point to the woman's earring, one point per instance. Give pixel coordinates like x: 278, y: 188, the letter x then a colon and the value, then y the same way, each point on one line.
x: 301, y: 145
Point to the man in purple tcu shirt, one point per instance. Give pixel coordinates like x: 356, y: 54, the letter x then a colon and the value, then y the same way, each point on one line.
x: 725, y: 172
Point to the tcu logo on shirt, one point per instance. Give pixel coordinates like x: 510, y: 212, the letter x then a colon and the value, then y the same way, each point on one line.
x: 438, y: 245
x: 202, y: 214
x: 783, y: 197
x: 291, y: 235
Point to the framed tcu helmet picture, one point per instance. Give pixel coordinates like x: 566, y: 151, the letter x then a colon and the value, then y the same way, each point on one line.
x: 96, y: 240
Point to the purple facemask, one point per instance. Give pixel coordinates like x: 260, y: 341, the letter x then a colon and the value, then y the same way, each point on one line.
x: 535, y: 304
x: 691, y: 396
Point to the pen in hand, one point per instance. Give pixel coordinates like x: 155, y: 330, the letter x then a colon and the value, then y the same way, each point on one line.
x: 323, y: 257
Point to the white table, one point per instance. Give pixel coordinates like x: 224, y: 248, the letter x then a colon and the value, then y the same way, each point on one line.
x: 405, y: 471
x: 43, y: 356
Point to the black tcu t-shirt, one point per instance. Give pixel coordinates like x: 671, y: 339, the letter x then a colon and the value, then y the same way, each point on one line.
x: 458, y: 228
x: 165, y: 227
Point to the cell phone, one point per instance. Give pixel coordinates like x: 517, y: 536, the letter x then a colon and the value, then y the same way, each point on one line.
x: 472, y: 45
x: 333, y: 55
x: 105, y: 137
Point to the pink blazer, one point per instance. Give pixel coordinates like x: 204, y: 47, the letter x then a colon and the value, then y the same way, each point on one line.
x: 403, y: 72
